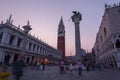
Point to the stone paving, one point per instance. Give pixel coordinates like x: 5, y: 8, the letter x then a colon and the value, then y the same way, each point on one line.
x: 52, y: 73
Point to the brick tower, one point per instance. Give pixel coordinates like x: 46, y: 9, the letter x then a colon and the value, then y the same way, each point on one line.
x: 61, y: 38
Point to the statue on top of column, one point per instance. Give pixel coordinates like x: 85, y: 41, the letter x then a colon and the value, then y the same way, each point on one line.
x: 76, y: 16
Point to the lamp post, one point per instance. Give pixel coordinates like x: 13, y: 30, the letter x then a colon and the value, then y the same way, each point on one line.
x: 26, y: 28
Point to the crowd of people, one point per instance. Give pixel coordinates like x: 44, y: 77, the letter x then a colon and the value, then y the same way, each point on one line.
x: 19, y: 65
x: 69, y: 67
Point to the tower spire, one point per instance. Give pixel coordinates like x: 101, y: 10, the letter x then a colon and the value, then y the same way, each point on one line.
x: 61, y: 24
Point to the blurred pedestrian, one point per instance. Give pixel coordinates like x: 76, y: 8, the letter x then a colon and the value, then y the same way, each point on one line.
x: 62, y: 69
x: 79, y: 68
x: 71, y: 67
x: 18, y: 68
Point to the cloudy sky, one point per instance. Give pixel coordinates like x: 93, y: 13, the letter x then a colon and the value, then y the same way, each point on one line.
x: 44, y: 16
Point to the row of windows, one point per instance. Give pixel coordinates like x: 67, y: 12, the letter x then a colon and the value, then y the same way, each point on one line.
x: 31, y: 46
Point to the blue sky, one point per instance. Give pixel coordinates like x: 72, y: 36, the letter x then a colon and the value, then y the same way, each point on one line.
x: 44, y: 16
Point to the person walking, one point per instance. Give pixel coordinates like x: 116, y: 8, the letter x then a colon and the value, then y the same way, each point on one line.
x: 18, y: 68
x: 62, y: 69
x: 79, y: 68
x: 71, y: 67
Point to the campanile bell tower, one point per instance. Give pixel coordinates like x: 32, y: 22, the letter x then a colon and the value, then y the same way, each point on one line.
x: 61, y: 38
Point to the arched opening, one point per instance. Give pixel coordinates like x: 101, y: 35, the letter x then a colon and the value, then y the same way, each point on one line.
x: 27, y: 61
x: 117, y: 43
x: 15, y: 57
x: 6, y: 59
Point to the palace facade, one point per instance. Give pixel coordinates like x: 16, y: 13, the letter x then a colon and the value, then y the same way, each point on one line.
x: 107, y: 44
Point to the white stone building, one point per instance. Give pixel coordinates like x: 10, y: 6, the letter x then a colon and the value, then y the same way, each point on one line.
x: 107, y: 44
x: 11, y: 45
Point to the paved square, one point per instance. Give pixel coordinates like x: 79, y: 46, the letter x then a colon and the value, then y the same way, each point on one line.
x: 52, y: 73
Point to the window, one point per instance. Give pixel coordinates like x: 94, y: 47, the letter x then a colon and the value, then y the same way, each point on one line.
x: 19, y: 42
x: 105, y: 33
x: 34, y: 47
x: 11, y: 39
x: 30, y: 44
x: 60, y: 32
x: 37, y: 48
x: 101, y: 38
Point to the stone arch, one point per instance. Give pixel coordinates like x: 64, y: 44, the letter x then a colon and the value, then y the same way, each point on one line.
x: 15, y: 57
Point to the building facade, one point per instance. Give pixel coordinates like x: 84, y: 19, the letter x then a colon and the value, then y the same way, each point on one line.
x: 61, y: 38
x: 107, y: 44
x: 11, y: 46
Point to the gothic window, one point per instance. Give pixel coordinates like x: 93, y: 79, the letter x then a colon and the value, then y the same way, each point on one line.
x: 11, y: 39
x: 105, y: 32
x: 117, y: 43
x: 1, y: 34
x: 19, y: 42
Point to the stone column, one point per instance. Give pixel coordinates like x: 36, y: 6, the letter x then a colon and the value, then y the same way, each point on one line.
x: 27, y: 47
x: 11, y: 59
x: 76, y: 18
x: 3, y: 57
x: 30, y: 60
x: 26, y: 58
x: 0, y: 56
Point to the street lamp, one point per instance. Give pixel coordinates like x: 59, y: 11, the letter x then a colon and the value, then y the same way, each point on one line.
x: 26, y: 28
